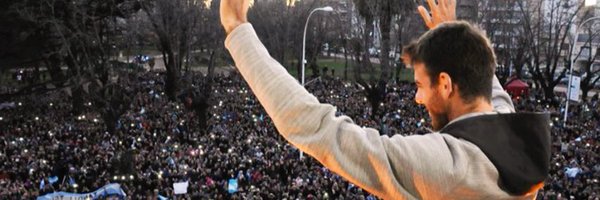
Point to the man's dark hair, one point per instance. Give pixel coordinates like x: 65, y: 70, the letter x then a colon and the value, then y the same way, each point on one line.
x: 408, y: 52
x: 464, y: 53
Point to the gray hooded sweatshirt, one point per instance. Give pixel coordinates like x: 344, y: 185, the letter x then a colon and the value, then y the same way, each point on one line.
x: 456, y: 163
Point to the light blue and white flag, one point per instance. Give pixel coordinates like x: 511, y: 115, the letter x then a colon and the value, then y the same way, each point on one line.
x: 109, y: 190
x: 232, y: 186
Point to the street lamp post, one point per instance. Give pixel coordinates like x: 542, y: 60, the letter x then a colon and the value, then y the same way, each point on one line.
x: 575, y: 38
x: 326, y: 9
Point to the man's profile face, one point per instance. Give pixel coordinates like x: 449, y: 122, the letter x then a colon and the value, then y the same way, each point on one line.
x: 429, y: 96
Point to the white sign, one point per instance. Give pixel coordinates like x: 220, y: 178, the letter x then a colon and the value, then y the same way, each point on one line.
x: 590, y: 2
x: 574, y: 92
x: 180, y: 188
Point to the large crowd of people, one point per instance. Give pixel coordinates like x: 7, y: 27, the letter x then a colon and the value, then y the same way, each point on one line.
x: 158, y: 142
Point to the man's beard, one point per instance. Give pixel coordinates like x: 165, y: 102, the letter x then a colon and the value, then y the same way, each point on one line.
x: 438, y: 112
x: 438, y: 121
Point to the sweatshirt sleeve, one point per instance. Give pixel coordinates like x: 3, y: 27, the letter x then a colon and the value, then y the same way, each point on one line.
x: 501, y: 101
x: 392, y: 168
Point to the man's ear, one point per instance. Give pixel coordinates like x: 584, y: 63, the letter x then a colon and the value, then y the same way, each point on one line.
x: 445, y: 86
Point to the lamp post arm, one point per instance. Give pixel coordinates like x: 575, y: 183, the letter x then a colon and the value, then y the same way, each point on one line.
x: 304, y: 43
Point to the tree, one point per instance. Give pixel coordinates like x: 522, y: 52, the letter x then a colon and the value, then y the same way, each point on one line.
x: 385, y: 11
x: 173, y: 23
x: 78, y: 34
x: 373, y: 93
x: 547, y: 24
x: 504, y: 27
x: 111, y: 100
x: 25, y: 40
x: 409, y: 27
x: 280, y: 25
x: 273, y: 21
x: 209, y: 34
x: 211, y: 38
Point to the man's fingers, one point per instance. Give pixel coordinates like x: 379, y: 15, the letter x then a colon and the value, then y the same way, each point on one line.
x: 233, y: 13
x: 244, y: 11
x: 451, y: 4
x: 433, y: 6
x: 442, y: 6
x: 426, y: 17
x: 452, y: 9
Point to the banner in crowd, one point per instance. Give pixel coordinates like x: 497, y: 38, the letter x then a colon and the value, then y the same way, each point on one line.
x: 232, y: 187
x: 7, y: 105
x: 113, y: 189
x: 180, y: 188
x: 575, y: 87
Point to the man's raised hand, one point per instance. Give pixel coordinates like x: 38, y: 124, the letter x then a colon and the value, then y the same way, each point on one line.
x: 234, y: 13
x: 443, y: 11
